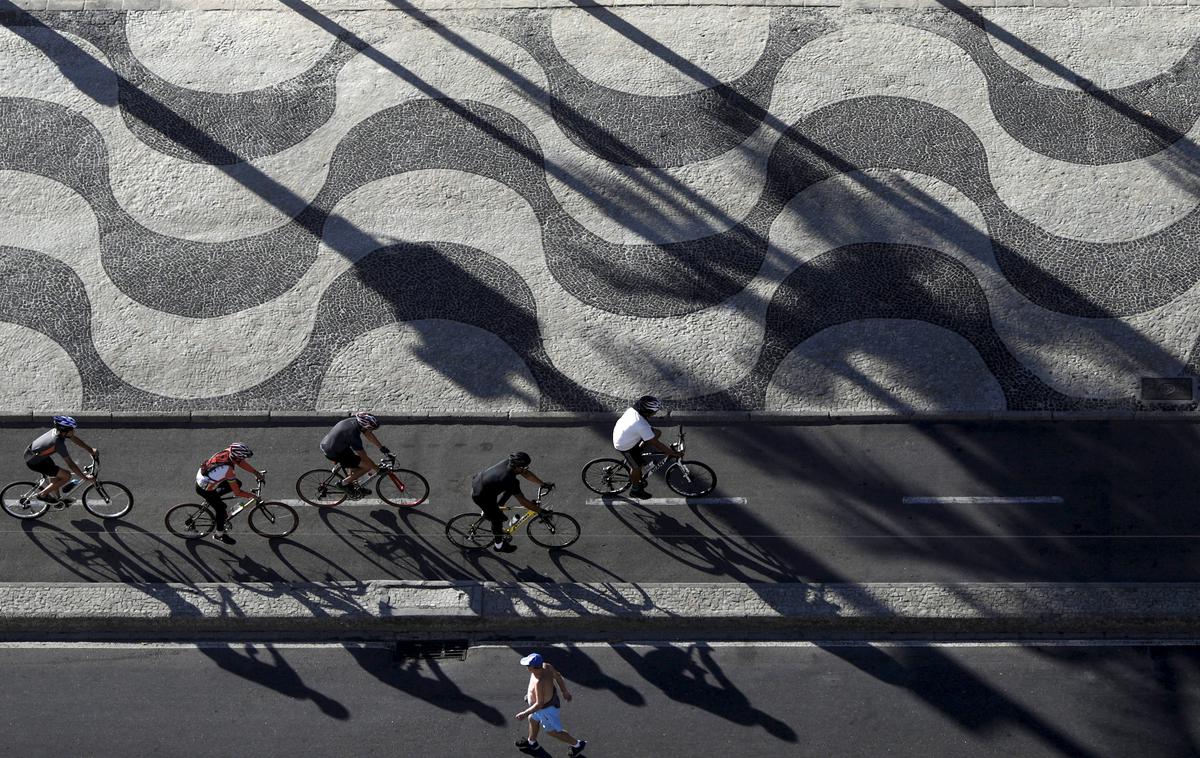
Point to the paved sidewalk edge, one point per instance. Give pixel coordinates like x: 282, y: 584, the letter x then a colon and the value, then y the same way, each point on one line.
x: 403, y: 6
x: 572, y: 418
x: 489, y: 610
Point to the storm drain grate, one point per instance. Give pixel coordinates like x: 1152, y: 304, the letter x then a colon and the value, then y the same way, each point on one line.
x: 437, y: 650
x: 1178, y: 389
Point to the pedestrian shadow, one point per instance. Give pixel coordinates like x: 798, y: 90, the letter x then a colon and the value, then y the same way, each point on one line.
x: 693, y: 677
x: 275, y: 674
x: 409, y: 677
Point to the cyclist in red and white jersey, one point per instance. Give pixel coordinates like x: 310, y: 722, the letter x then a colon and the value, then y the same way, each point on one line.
x: 217, y: 476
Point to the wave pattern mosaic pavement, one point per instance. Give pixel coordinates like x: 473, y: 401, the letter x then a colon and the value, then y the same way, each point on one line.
x: 464, y: 175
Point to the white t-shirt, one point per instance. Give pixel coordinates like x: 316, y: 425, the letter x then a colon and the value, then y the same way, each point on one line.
x: 631, y: 429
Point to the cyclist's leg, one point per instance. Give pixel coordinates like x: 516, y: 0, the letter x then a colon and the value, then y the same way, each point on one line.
x: 55, y: 477
x: 494, y: 515
x: 217, y: 503
x: 353, y: 464
x: 635, y: 457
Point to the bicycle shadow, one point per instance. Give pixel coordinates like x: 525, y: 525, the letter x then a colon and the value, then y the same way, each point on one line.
x: 392, y: 551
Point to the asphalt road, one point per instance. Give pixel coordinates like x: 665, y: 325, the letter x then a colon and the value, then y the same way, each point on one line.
x: 677, y: 700
x: 823, y: 503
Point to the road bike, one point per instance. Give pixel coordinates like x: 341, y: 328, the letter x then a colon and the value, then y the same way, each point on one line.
x: 609, y: 476
x: 103, y: 499
x: 192, y: 521
x: 550, y: 529
x: 396, y: 486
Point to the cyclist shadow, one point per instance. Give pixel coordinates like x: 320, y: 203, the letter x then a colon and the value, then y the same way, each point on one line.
x: 693, y: 677
x: 386, y: 549
x: 277, y: 675
x: 408, y: 677
x: 724, y: 551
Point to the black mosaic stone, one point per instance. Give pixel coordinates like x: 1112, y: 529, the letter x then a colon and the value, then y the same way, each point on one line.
x: 209, y: 127
x: 878, y: 281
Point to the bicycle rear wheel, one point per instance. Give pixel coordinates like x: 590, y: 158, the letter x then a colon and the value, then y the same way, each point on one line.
x: 691, y: 478
x: 190, y: 521
x: 402, y: 488
x: 606, y: 476
x: 19, y: 501
x: 273, y: 519
x: 553, y: 530
x: 468, y: 531
x: 107, y: 499
x: 320, y: 487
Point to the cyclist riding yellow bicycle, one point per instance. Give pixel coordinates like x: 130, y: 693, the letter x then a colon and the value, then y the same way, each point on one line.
x: 38, y: 457
x: 492, y: 487
x: 633, y: 434
x: 217, y: 477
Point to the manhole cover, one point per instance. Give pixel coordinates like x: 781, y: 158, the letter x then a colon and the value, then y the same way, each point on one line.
x: 1167, y: 390
x: 442, y: 650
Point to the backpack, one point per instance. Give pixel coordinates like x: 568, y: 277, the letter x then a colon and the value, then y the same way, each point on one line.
x: 220, y: 459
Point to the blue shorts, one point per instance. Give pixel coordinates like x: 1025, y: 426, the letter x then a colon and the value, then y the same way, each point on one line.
x: 548, y: 718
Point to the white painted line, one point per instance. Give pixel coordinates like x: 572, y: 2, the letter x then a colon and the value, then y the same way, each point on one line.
x: 986, y: 500
x: 346, y: 504
x: 609, y: 500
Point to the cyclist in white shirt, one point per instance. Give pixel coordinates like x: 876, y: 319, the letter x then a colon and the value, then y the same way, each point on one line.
x: 633, y: 436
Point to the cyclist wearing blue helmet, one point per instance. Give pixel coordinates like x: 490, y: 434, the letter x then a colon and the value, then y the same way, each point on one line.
x: 343, y: 445
x: 39, y: 457
x: 633, y: 434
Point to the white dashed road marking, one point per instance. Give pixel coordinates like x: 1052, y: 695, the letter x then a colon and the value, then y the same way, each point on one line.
x: 668, y: 500
x: 985, y: 500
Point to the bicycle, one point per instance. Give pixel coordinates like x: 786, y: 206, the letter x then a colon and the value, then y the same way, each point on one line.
x: 397, y: 486
x: 550, y: 529
x: 106, y: 500
x: 609, y: 476
x: 192, y: 521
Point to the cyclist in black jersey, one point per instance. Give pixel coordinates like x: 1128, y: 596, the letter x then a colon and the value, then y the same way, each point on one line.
x: 492, y: 487
x: 343, y: 445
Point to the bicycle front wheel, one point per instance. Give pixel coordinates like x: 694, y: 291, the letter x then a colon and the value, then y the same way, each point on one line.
x: 320, y: 487
x: 468, y: 531
x: 691, y: 478
x: 107, y: 499
x: 553, y: 530
x: 606, y: 476
x: 19, y: 500
x: 190, y: 521
x: 402, y: 488
x: 273, y: 519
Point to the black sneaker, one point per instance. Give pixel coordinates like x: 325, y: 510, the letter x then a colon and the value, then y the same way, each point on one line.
x: 504, y: 547
x: 577, y: 749
x: 524, y: 744
x: 223, y: 536
x: 639, y: 492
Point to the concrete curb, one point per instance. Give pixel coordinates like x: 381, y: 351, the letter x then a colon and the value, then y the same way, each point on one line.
x: 489, y: 610
x: 588, y: 418
x: 113, y: 6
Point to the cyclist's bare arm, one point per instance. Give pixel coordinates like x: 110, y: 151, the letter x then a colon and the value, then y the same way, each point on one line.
x: 661, y: 446
x: 370, y: 437
x: 233, y: 483
x: 91, y: 450
x: 532, y: 477
x: 71, y: 464
x: 529, y: 504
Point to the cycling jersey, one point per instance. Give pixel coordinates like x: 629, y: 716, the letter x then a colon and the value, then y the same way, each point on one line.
x: 46, y: 445
x: 215, y: 470
x: 345, y: 435
x: 631, y: 429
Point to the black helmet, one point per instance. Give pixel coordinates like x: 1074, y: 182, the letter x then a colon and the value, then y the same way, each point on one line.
x: 519, y: 459
x: 647, y: 404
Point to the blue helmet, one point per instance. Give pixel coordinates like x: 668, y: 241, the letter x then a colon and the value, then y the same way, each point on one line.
x: 65, y: 422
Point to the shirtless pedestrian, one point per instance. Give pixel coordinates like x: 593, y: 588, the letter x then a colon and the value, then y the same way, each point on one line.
x: 544, y: 685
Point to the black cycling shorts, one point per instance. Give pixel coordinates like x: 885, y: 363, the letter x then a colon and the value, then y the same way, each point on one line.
x: 43, y: 464
x: 636, y: 456
x: 347, y: 459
